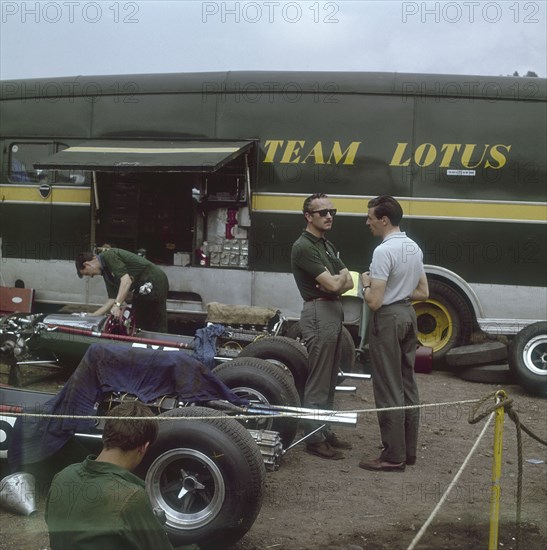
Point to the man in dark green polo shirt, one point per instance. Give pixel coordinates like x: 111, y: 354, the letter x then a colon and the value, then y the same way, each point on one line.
x: 123, y: 273
x: 321, y: 278
x: 100, y: 504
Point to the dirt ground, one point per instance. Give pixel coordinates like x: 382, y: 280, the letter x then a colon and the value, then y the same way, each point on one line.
x: 312, y: 503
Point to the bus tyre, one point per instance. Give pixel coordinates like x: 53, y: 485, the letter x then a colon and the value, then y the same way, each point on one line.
x: 347, y: 359
x: 207, y: 475
x: 444, y: 320
x: 284, y: 350
x: 262, y: 382
x: 528, y: 358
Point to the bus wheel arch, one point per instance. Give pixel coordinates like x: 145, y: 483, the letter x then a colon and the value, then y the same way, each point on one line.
x: 445, y: 320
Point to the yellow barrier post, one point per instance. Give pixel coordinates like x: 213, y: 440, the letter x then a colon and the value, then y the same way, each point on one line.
x: 495, y: 492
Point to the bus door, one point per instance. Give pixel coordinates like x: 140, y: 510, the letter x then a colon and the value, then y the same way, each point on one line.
x: 42, y: 210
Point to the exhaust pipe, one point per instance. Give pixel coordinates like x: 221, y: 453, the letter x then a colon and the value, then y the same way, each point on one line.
x: 18, y: 493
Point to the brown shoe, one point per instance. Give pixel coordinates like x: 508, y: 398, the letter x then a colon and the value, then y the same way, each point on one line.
x: 382, y: 466
x: 333, y: 441
x: 324, y: 450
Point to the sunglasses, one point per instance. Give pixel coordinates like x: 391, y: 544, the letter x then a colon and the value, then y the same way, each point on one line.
x: 324, y: 211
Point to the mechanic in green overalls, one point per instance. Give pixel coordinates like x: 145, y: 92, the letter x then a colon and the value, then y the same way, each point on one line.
x: 123, y: 273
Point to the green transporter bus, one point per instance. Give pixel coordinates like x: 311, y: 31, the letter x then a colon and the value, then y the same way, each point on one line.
x: 207, y: 173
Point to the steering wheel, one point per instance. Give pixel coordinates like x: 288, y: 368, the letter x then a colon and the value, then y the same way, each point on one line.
x: 125, y: 325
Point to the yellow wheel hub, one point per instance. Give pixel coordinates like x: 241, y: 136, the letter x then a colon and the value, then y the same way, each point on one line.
x: 435, y: 324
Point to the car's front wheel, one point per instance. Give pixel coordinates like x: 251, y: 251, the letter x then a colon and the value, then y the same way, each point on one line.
x: 207, y: 474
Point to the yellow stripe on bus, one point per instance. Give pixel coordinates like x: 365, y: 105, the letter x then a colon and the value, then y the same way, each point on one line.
x: 31, y: 194
x: 529, y: 212
x: 151, y: 150
x: 415, y: 208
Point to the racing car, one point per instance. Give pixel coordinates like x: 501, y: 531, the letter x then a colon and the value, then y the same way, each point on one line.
x: 219, y: 430
x: 60, y: 340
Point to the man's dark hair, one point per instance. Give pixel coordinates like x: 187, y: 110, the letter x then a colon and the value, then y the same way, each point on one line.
x: 128, y: 434
x: 81, y: 258
x: 385, y: 205
x: 306, y: 207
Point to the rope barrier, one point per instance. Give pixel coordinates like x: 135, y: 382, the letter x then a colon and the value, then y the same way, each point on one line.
x: 503, y: 404
x: 507, y: 404
x: 286, y: 414
x: 424, y: 527
x: 242, y: 416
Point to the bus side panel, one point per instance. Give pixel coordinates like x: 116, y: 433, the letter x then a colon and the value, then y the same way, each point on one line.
x: 43, y: 232
x: 65, y: 245
x: 164, y: 115
x: 498, y: 144
x: 469, y: 149
x: 275, y: 233
x: 484, y: 252
x: 301, y: 141
x: 331, y: 143
x: 52, y: 117
x: 25, y: 230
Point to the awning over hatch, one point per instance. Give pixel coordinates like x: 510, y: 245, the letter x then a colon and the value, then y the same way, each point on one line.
x: 143, y: 156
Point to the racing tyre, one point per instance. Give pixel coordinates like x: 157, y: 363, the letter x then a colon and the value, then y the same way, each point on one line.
x: 487, y: 374
x: 347, y: 360
x: 528, y: 358
x: 261, y: 382
x: 444, y: 320
x: 207, y: 475
x: 476, y: 354
x: 284, y: 350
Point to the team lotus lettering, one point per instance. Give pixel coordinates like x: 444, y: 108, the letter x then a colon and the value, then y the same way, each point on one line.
x: 296, y: 152
x: 450, y: 154
x: 447, y: 155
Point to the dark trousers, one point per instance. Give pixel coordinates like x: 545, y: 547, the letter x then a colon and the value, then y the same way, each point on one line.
x: 321, y: 324
x: 392, y: 341
x: 151, y: 309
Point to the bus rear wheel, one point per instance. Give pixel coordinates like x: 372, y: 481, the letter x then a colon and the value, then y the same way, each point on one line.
x: 444, y: 320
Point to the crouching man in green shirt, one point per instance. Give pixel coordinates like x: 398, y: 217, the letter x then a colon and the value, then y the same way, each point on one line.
x: 99, y: 504
x: 124, y: 272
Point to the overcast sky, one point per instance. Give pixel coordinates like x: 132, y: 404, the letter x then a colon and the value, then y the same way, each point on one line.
x: 70, y: 37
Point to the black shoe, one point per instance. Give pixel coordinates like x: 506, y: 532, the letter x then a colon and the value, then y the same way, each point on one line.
x: 333, y: 441
x: 323, y: 450
x: 382, y: 466
x: 410, y: 460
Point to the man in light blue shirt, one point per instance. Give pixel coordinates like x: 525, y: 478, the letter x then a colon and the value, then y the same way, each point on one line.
x: 395, y: 279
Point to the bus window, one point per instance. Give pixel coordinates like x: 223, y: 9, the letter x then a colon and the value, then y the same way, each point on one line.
x: 24, y: 155
x: 70, y: 177
x: 21, y: 159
